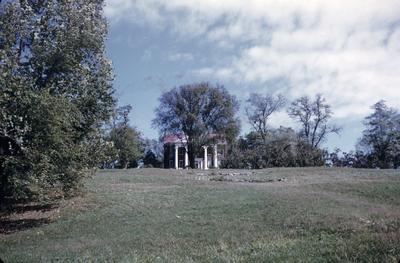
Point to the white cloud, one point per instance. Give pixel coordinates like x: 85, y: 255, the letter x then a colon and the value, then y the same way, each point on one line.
x: 147, y: 54
x: 347, y: 50
x: 180, y: 57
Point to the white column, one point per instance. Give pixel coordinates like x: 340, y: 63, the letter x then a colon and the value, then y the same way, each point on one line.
x: 205, y: 158
x: 215, y: 156
x: 186, y: 157
x: 176, y: 156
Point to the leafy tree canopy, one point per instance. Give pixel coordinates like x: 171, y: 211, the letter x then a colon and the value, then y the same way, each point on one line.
x: 125, y: 139
x: 381, y: 137
x: 56, y: 91
x: 198, y: 111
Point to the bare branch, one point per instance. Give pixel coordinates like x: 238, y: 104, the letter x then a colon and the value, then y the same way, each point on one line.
x: 313, y: 116
x: 259, y: 108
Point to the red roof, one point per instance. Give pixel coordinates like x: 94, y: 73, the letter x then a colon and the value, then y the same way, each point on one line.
x: 173, y: 138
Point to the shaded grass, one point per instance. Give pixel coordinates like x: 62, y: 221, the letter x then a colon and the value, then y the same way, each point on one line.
x: 317, y: 215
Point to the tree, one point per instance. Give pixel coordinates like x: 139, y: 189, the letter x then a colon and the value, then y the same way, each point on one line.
x: 335, y: 159
x: 308, y: 156
x: 150, y: 159
x: 154, y: 150
x: 381, y: 138
x: 126, y: 139
x: 259, y: 108
x: 56, y: 91
x: 197, y: 111
x: 313, y: 117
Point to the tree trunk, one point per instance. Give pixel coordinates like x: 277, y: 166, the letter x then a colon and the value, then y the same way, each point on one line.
x: 191, y: 159
x: 3, y: 185
x: 191, y: 155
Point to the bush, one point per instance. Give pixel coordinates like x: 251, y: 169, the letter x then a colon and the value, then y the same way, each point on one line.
x: 277, y: 151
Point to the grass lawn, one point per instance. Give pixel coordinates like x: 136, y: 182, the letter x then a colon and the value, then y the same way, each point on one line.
x: 152, y: 215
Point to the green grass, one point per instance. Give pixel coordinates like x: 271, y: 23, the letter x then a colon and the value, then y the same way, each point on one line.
x: 150, y: 215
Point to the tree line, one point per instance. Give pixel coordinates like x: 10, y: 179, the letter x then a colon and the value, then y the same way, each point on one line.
x: 200, y: 111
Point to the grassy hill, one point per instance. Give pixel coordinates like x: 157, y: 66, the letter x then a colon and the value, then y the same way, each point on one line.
x: 290, y: 215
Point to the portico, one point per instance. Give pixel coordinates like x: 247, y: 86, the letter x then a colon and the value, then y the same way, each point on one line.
x: 207, y: 159
x: 176, y: 154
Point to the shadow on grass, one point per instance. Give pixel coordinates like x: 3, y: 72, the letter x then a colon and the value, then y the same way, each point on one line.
x: 33, y: 208
x: 25, y: 216
x: 9, y: 226
x: 21, y: 208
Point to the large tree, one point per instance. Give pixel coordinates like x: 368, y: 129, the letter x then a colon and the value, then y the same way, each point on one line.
x: 314, y: 116
x: 197, y: 111
x: 381, y: 138
x: 56, y: 91
x: 259, y: 108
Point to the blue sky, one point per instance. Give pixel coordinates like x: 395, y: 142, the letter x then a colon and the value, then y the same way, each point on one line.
x: 347, y: 50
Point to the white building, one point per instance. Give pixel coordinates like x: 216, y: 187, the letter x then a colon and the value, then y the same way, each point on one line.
x: 176, y: 156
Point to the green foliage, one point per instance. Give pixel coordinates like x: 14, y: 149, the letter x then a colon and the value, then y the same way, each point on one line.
x: 199, y: 112
x: 126, y: 140
x: 128, y: 144
x: 379, y: 146
x: 150, y: 160
x: 278, y: 148
x: 55, y: 94
x: 154, y: 153
x: 381, y: 137
x: 282, y: 147
x: 356, y: 159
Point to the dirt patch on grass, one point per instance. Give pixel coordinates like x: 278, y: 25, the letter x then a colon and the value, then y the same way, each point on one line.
x: 33, y: 214
x: 27, y: 216
x: 237, y: 177
x: 245, y: 180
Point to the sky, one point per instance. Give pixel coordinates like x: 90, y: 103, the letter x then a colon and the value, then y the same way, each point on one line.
x: 348, y: 51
